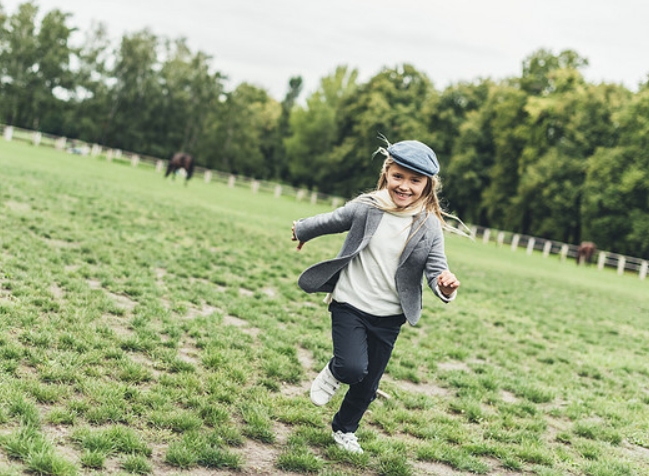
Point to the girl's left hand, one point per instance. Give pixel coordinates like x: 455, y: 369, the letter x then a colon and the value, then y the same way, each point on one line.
x: 447, y: 283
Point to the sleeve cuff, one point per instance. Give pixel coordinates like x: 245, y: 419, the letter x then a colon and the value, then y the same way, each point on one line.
x: 444, y: 298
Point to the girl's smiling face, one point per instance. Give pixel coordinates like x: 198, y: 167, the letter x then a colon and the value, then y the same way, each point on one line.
x: 404, y: 185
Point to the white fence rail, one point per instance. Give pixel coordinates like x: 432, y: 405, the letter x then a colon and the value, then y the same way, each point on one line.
x: 95, y: 150
x: 621, y: 263
x: 601, y: 259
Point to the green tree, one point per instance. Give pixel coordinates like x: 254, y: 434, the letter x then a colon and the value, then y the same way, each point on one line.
x: 616, y: 190
x: 445, y: 114
x: 136, y: 97
x: 482, y: 175
x: 313, y: 128
x: 238, y: 133
x: 535, y: 78
x: 34, y: 65
x: 278, y: 160
x: 190, y: 92
x: 565, y: 127
x: 391, y: 103
x: 89, y: 103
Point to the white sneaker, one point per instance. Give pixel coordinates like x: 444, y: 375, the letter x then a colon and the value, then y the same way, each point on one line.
x: 347, y: 442
x: 323, y: 387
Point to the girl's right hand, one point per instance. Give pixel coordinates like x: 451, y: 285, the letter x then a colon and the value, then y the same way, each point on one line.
x: 294, y: 238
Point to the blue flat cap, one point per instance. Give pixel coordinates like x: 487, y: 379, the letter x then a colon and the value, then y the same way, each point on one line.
x: 415, y: 156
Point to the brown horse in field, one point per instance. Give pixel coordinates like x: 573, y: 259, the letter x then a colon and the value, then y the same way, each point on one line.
x: 181, y: 160
x: 585, y: 252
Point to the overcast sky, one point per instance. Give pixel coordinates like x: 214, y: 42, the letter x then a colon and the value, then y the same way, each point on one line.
x: 265, y: 42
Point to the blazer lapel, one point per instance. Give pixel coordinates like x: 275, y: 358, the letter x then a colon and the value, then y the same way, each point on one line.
x: 374, y: 216
x: 419, y: 226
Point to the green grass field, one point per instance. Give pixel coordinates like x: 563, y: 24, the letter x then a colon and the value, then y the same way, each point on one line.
x: 151, y: 328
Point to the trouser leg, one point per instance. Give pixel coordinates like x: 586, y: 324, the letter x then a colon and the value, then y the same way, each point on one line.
x: 362, y: 348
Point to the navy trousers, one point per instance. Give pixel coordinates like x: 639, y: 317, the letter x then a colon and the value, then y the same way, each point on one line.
x: 363, y: 345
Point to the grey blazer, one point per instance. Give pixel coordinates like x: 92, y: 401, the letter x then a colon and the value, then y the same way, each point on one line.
x: 422, y: 256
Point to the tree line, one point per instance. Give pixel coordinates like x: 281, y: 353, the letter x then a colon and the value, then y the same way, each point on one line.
x: 545, y: 153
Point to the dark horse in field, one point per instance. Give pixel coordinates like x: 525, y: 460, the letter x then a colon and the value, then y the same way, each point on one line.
x: 181, y: 160
x: 585, y: 252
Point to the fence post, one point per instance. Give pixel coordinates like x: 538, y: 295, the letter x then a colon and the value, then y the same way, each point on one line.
x: 278, y: 191
x: 516, y: 238
x: 9, y: 132
x: 334, y: 202
x: 159, y: 165
x: 485, y: 235
x: 643, y: 269
x: 547, y: 246
x: 255, y: 186
x: 621, y: 264
x: 530, y: 246
x: 36, y: 138
x: 601, y: 260
x: 300, y: 195
x: 500, y: 239
x: 207, y: 176
x: 231, y: 180
x: 109, y: 155
x: 60, y: 143
x: 314, y: 198
x: 474, y: 231
x: 564, y: 252
x: 96, y: 150
x: 135, y: 160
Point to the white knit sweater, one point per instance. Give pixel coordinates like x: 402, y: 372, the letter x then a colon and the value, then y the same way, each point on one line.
x: 368, y: 282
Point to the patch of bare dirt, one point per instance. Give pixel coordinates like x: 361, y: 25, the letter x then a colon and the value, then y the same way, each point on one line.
x: 118, y: 324
x: 59, y: 436
x: 202, y: 312
x: 260, y: 458
x: 453, y: 366
x: 123, y: 302
x: 270, y: 292
x: 508, y: 397
x: 144, y: 360
x: 18, y: 206
x: 636, y: 451
x: 7, y: 296
x: 229, y: 320
x: 160, y: 273
x: 246, y: 292
x: 424, y: 468
x: 427, y: 388
x: 305, y: 358
x: 188, y: 353
x: 56, y: 291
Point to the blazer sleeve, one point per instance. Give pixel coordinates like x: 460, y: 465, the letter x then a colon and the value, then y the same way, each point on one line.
x: 338, y: 221
x: 436, y: 263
